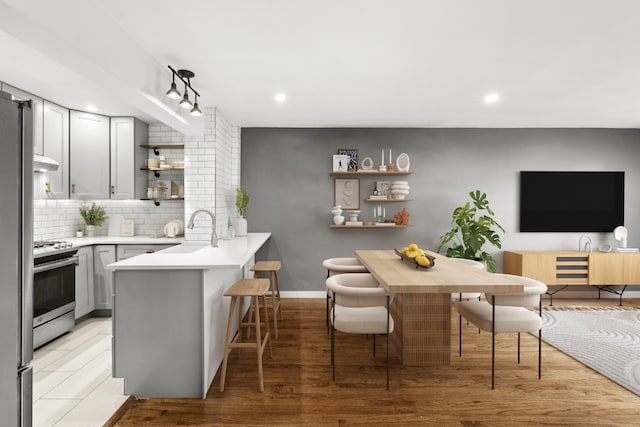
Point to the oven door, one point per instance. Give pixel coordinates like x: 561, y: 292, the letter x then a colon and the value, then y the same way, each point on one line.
x: 54, y: 289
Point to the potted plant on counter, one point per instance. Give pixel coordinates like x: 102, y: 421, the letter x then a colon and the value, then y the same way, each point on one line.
x: 473, y: 226
x: 242, y: 200
x: 93, y: 216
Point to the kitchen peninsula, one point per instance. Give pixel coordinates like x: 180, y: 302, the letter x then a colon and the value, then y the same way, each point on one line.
x: 170, y: 315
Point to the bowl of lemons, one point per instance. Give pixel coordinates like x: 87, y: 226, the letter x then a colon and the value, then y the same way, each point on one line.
x: 416, y: 257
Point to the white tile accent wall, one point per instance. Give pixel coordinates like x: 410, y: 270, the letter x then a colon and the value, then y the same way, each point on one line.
x: 212, y: 172
x: 59, y: 219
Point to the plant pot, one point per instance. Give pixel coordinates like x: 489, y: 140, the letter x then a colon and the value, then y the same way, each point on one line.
x: 240, y: 227
x: 91, y: 230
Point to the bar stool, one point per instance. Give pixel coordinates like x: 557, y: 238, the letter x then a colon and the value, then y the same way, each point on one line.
x: 256, y: 289
x: 270, y: 269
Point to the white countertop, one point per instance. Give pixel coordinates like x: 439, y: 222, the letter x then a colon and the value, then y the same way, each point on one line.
x: 199, y: 255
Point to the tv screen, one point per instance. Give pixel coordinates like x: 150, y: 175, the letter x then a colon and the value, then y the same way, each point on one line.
x: 571, y: 201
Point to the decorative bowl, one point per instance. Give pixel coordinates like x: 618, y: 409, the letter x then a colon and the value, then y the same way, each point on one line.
x: 412, y: 262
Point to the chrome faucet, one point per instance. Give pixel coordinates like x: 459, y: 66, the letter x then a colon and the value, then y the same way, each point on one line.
x: 214, y: 236
x: 587, y: 245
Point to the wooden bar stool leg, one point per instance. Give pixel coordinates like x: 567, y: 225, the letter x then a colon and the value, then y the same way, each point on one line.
x: 227, y: 342
x: 254, y: 301
x: 274, y: 301
x: 266, y: 321
x: 277, y: 282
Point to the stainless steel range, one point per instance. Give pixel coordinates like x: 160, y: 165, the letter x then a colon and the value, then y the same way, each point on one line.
x: 54, y: 290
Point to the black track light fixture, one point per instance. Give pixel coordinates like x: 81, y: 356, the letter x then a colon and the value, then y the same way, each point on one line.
x: 185, y: 76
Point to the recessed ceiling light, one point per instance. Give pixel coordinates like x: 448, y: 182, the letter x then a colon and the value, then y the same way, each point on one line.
x: 491, y: 98
x: 92, y: 108
x: 281, y: 97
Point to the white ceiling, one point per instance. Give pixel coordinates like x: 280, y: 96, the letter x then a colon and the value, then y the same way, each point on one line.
x: 341, y: 63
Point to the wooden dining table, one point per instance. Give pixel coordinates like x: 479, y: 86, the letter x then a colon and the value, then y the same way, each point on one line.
x: 421, y: 307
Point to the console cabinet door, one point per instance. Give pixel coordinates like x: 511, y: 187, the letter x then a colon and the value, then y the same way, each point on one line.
x: 56, y: 146
x: 89, y: 156
x: 84, y: 282
x: 103, y: 255
x: 631, y: 269
x: 606, y: 269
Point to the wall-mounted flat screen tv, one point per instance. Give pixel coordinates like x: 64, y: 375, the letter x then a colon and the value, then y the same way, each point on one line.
x: 571, y: 201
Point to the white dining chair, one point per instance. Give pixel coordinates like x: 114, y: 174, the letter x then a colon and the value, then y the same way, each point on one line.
x: 340, y: 266
x: 507, y: 313
x: 359, y: 306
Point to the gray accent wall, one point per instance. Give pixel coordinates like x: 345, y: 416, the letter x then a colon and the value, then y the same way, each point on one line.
x: 286, y: 172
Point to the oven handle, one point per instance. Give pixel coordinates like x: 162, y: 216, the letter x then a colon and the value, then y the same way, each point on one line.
x: 55, y: 264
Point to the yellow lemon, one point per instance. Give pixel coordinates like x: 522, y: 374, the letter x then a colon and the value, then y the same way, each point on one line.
x: 423, y: 261
x: 405, y: 250
x: 413, y: 247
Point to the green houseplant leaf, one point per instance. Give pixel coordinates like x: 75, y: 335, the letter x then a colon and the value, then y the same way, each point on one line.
x: 473, y: 225
x: 242, y: 199
x: 93, y: 215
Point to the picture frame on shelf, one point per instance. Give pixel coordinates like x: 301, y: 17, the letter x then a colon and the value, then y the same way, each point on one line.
x: 347, y: 193
x: 352, y: 153
x: 340, y: 163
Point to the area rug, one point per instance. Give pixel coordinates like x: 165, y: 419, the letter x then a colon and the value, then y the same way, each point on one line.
x: 606, y: 339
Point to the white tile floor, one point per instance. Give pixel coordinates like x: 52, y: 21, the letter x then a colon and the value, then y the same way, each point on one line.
x: 72, y: 383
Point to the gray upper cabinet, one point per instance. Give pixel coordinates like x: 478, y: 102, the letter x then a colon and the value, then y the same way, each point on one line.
x: 38, y: 114
x: 128, y: 181
x: 89, y: 156
x: 56, y: 146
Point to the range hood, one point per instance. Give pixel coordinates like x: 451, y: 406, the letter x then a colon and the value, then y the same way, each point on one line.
x: 44, y: 163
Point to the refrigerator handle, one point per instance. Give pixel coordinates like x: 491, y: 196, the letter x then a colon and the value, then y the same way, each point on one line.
x: 26, y: 299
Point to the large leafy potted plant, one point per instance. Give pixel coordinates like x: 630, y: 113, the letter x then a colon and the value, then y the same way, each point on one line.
x: 242, y: 200
x: 93, y: 216
x: 473, y: 225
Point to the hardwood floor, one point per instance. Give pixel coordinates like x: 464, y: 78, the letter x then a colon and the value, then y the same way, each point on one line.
x: 299, y: 389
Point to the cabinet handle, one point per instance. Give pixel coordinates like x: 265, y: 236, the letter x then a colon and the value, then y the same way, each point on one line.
x: 113, y: 189
x: 48, y: 186
x: 73, y: 188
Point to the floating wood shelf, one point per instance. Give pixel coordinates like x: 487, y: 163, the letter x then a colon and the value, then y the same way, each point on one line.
x: 372, y: 173
x: 369, y: 226
x: 387, y: 200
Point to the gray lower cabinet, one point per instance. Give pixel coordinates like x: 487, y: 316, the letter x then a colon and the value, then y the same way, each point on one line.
x: 84, y: 282
x: 103, y: 255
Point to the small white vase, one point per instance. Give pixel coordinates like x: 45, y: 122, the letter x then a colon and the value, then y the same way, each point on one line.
x: 241, y: 226
x: 338, y: 219
x: 91, y: 230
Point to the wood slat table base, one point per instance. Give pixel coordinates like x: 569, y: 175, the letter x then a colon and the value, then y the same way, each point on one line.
x: 422, y: 334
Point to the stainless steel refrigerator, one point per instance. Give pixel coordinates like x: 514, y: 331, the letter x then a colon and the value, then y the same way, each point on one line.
x: 16, y: 261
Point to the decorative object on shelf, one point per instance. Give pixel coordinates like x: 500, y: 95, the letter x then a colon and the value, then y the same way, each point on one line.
x: 340, y: 163
x: 93, y: 216
x: 352, y: 154
x: 399, y: 190
x: 242, y: 200
x: 403, y: 163
x: 379, y: 214
x: 469, y: 232
x: 402, y: 217
x: 152, y: 163
x: 173, y: 92
x: 383, y: 188
x: 347, y: 193
x: 620, y: 234
x: 338, y: 219
x: 367, y: 164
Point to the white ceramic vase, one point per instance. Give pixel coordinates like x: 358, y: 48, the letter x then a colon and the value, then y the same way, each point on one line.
x: 241, y: 226
x: 91, y: 230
